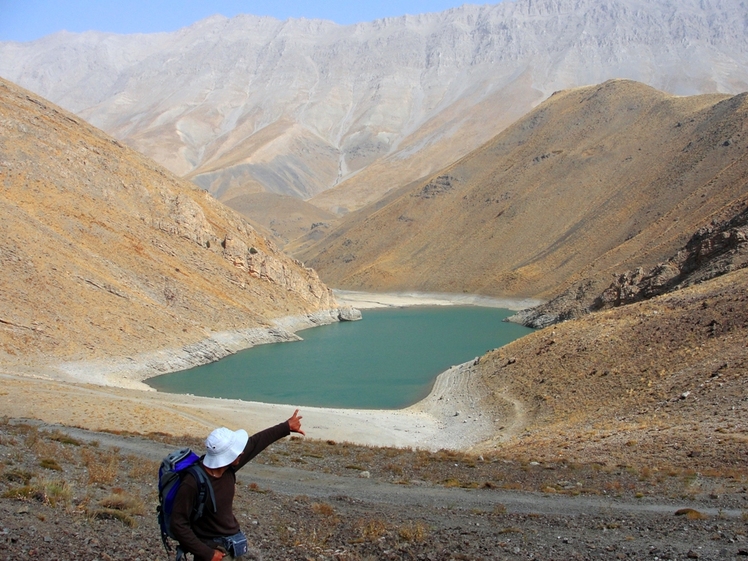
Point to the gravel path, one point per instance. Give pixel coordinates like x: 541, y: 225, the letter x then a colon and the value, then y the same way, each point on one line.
x: 94, y: 498
x: 294, y: 481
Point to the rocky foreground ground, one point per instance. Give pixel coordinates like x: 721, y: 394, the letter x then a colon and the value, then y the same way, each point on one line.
x: 73, y: 494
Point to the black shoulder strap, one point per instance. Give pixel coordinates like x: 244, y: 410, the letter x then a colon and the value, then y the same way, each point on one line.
x: 204, y: 488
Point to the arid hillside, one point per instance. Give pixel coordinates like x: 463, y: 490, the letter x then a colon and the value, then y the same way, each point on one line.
x: 105, y: 254
x: 661, y: 383
x: 596, y: 180
x: 284, y: 217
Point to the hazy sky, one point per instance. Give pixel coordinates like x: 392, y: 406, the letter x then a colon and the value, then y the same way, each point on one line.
x: 26, y: 20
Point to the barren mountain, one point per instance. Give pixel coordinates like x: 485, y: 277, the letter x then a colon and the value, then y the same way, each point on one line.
x: 286, y: 218
x: 254, y: 104
x: 106, y: 254
x: 594, y: 181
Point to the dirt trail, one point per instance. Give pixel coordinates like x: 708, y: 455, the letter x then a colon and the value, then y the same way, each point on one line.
x: 324, y: 486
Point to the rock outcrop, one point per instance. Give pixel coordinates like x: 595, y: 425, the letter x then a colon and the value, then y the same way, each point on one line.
x: 570, y: 304
x: 714, y: 250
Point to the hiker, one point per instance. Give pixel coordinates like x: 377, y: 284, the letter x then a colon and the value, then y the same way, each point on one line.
x: 209, y: 537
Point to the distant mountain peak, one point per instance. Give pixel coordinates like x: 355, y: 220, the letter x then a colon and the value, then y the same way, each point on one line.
x: 368, y: 107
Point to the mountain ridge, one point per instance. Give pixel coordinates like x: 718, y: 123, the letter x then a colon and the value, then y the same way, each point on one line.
x: 404, y: 95
x: 594, y: 180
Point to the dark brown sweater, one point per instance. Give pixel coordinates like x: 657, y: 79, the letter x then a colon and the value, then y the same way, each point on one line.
x: 196, y: 537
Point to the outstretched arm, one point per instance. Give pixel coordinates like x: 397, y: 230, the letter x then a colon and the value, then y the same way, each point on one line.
x: 258, y: 442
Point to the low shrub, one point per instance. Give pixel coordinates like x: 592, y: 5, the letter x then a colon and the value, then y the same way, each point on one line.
x: 50, y: 463
x: 413, y: 532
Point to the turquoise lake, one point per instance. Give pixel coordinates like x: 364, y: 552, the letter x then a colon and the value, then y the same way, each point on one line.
x: 388, y: 360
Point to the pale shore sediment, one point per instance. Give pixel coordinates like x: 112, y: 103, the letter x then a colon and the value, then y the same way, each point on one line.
x: 424, y: 425
x: 110, y: 395
x: 368, y: 300
x: 130, y: 371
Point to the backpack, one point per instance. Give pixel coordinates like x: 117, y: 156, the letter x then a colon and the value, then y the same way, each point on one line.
x: 173, y: 469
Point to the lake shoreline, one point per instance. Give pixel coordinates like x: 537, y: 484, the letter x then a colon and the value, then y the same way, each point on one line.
x: 429, y: 424
x: 131, y: 371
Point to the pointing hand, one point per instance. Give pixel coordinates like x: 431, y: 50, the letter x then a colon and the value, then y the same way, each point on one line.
x: 294, y: 423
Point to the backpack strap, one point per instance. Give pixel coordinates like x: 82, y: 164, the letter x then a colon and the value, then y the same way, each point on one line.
x: 204, y: 489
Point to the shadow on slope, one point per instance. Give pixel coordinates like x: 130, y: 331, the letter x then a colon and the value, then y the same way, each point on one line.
x: 595, y: 180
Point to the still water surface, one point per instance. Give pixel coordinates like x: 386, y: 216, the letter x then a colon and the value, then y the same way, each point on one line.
x: 388, y: 360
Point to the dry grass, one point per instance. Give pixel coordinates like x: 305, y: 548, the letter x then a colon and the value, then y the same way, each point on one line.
x: 50, y: 463
x: 142, y: 469
x: 118, y: 505
x: 57, y: 492
x: 314, y: 535
x: 17, y: 475
x: 499, y: 509
x: 371, y: 530
x: 691, y: 514
x: 323, y: 509
x: 102, y: 468
x: 27, y: 492
x: 314, y: 538
x: 112, y: 514
x: 414, y: 532
x: 395, y: 469
x: 255, y: 488
x: 51, y: 492
x: 63, y: 438
x: 119, y: 500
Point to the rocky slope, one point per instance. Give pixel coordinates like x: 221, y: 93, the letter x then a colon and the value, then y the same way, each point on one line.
x: 662, y: 379
x: 715, y: 249
x: 297, y: 107
x: 105, y: 254
x: 595, y: 181
x: 285, y: 218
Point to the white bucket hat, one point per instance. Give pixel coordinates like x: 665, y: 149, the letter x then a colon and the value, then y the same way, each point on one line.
x: 223, y: 446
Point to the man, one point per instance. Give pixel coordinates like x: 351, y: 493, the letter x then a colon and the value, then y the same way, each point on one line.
x: 226, y: 452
